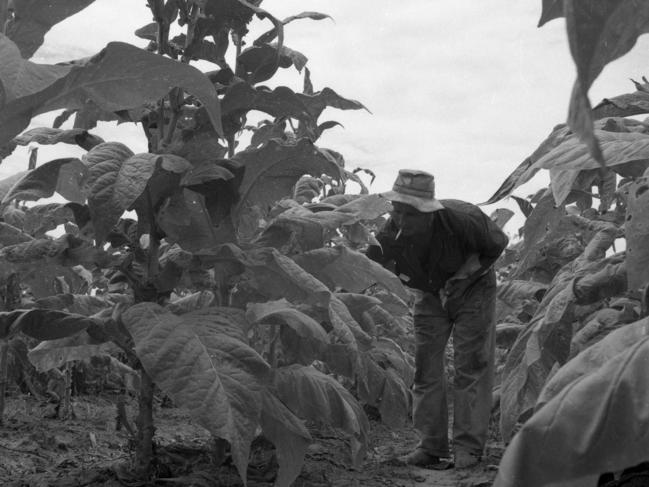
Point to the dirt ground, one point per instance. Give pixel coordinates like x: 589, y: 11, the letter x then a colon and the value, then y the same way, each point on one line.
x: 38, y: 451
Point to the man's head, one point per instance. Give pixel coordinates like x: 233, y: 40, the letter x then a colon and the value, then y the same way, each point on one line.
x: 413, y: 201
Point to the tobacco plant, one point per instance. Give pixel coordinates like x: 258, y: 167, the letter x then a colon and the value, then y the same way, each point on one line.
x: 573, y: 388
x: 235, y: 284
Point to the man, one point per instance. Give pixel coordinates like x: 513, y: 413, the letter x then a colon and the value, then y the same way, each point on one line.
x: 445, y: 249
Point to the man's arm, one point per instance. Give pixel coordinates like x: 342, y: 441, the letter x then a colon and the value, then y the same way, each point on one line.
x: 485, y: 242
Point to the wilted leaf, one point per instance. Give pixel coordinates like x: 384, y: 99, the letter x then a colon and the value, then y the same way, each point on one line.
x: 61, y: 175
x: 340, y: 267
x: 34, y: 18
x: 195, y: 360
x: 271, y: 34
x: 599, y: 32
x: 42, y: 324
x: 40, y: 219
x: 625, y: 105
x: 598, y: 326
x: 289, y: 436
x: 49, y: 136
x: 637, y: 232
x: 572, y: 439
x: 50, y: 354
x: 136, y: 77
x: 312, y: 395
x: 191, y: 302
x: 282, y: 313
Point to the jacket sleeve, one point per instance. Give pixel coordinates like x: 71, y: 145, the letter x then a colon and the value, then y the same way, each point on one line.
x: 484, y: 237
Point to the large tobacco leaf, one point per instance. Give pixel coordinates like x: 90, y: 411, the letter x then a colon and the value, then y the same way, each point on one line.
x: 272, y: 170
x: 60, y: 175
x: 314, y: 396
x: 136, y: 77
x: 281, y: 312
x: 573, y: 438
x: 201, y: 361
x: 340, y: 267
x: 55, y: 353
x: 599, y: 32
x: 592, y: 358
x: 34, y: 18
x: 527, y: 169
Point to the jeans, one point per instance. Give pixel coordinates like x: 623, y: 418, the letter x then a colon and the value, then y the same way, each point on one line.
x: 471, y: 319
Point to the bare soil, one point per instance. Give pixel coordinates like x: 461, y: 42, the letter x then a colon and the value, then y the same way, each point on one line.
x: 38, y: 450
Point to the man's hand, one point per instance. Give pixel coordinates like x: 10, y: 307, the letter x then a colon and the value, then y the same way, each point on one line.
x: 457, y: 284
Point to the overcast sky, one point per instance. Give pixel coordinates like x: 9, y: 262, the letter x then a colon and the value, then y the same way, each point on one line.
x: 464, y: 89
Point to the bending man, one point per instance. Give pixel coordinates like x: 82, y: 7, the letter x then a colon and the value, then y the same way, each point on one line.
x: 445, y: 249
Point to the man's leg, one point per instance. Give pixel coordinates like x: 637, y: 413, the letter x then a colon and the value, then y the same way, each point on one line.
x: 430, y: 410
x: 474, y: 347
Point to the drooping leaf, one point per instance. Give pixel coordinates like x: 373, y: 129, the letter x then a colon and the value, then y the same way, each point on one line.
x: 597, y: 327
x: 82, y: 304
x: 281, y: 102
x: 33, y: 19
x: 60, y: 175
x: 50, y: 354
x: 48, y: 136
x: 10, y: 235
x: 271, y: 34
x: 272, y: 171
x: 545, y: 342
x: 340, y: 267
x: 136, y: 77
x: 196, y: 360
x: 289, y: 436
x: 527, y: 169
x: 624, y: 105
x: 312, y: 395
x: 115, y: 186
x: 282, y: 313
x: 552, y: 9
x: 277, y: 276
x: 637, y: 232
x: 42, y: 324
x: 593, y: 358
x: 572, y: 439
x: 191, y: 302
x: 598, y: 32
x: 39, y: 219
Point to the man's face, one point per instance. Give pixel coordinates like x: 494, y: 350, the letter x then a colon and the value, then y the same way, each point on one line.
x: 409, y: 219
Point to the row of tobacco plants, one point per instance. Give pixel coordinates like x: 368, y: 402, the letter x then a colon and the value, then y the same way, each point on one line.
x: 226, y: 274
x: 573, y: 389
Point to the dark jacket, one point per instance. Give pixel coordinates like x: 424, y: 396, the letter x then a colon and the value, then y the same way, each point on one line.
x: 426, y: 262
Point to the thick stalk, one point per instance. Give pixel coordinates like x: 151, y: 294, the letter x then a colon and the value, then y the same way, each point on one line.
x: 4, y: 352
x: 145, y: 428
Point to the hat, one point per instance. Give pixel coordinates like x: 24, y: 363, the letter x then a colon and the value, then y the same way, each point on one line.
x: 415, y: 188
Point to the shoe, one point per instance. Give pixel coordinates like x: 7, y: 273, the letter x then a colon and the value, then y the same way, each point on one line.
x: 421, y: 458
x: 464, y: 459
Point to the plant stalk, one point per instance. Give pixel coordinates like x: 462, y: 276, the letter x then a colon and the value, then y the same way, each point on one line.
x: 4, y: 353
x: 145, y: 428
x: 4, y: 15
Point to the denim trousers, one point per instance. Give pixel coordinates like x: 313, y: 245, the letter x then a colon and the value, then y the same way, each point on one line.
x: 471, y: 320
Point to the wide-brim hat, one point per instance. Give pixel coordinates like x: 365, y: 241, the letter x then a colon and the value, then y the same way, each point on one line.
x: 415, y: 188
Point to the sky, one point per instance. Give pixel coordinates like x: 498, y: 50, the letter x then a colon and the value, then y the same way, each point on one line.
x: 465, y: 89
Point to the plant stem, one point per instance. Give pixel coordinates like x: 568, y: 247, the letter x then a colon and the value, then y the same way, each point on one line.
x: 145, y: 428
x: 4, y: 353
x: 4, y: 15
